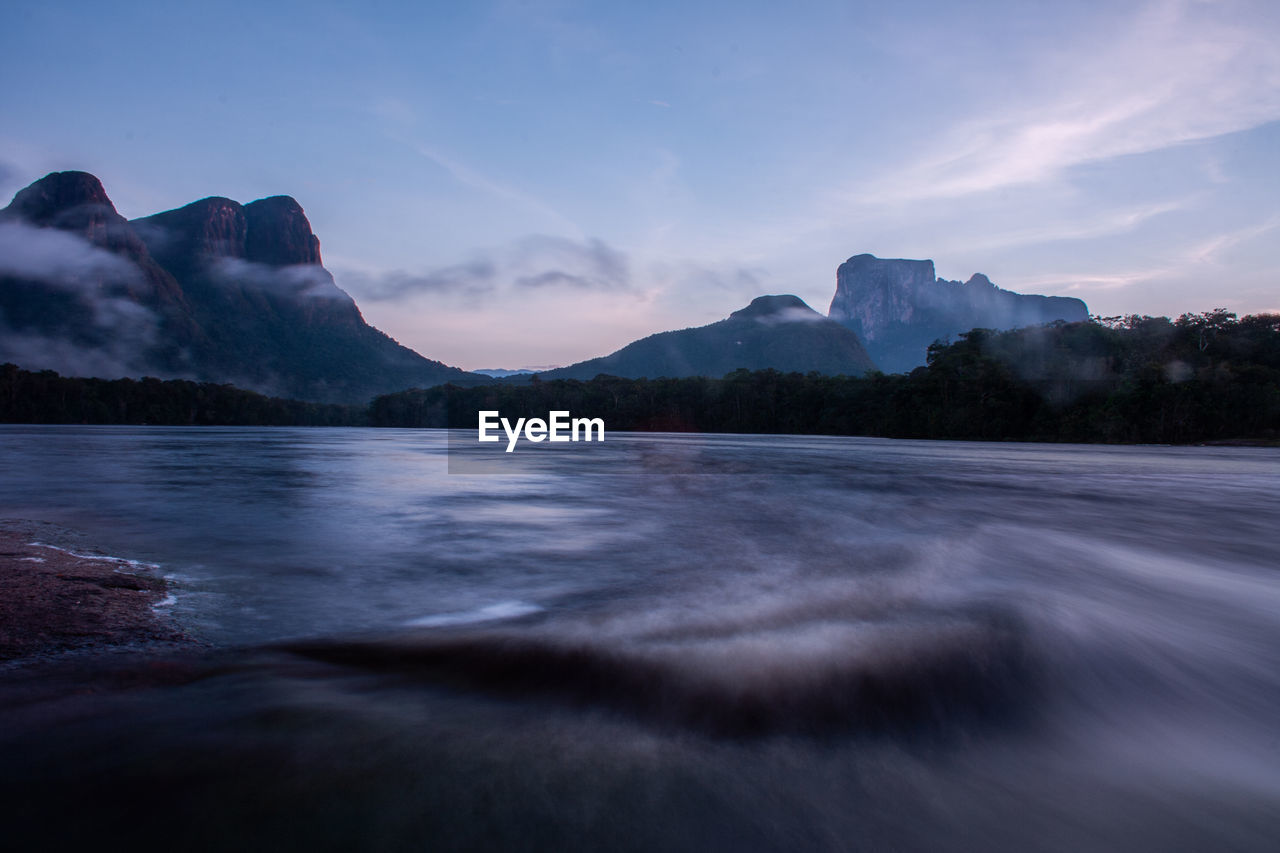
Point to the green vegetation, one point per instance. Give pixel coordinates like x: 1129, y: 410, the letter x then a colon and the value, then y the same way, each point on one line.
x: 1203, y: 377
x: 46, y: 398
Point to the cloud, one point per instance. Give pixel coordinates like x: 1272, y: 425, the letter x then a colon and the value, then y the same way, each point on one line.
x: 475, y: 277
x: 550, y: 279
x: 1174, y: 73
x: 795, y: 314
x: 1096, y: 224
x: 59, y: 258
x: 590, y: 264
x: 684, y: 279
x: 112, y: 333
x: 472, y: 178
x: 537, y: 262
x: 297, y: 280
x: 1191, y: 260
x: 112, y: 359
x: 1210, y: 250
x: 555, y: 301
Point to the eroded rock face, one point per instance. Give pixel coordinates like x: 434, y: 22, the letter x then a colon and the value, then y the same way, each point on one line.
x: 79, y: 291
x: 272, y: 231
x: 210, y: 228
x: 279, y: 233
x: 75, y: 202
x: 72, y: 201
x: 899, y: 307
x: 214, y: 290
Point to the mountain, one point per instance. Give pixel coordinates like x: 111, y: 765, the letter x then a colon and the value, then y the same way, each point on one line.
x: 899, y: 307
x: 79, y: 291
x: 503, y: 373
x: 779, y: 332
x: 214, y: 291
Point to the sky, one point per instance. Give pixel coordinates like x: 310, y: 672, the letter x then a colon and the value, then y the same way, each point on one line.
x: 510, y: 184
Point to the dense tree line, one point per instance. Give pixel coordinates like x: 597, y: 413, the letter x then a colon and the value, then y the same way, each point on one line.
x: 47, y: 398
x: 1203, y: 377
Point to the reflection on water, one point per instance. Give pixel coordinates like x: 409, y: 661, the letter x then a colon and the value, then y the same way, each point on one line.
x: 667, y: 642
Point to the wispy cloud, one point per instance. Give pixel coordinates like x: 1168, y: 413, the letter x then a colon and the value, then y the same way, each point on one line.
x: 472, y: 178
x: 1098, y: 224
x: 294, y: 281
x: 1177, y: 71
x: 1210, y: 250
x: 538, y: 262
x: 591, y: 264
x: 109, y: 333
x: 109, y: 360
x: 59, y: 258
x: 794, y: 314
x: 476, y: 278
x: 1191, y: 260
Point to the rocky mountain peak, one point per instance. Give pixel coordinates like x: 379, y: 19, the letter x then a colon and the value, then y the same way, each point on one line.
x: 279, y: 233
x: 75, y: 202
x: 783, y: 306
x: 213, y: 290
x: 58, y: 195
x: 213, y: 227
x: 773, y: 332
x: 898, y: 307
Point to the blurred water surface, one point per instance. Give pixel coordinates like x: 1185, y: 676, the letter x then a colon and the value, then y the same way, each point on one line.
x: 676, y: 641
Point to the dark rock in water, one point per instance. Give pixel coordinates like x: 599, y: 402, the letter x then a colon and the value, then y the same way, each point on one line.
x: 214, y: 291
x: 899, y: 307
x: 778, y: 332
x: 929, y: 679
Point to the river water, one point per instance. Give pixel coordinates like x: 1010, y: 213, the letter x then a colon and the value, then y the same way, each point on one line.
x: 660, y: 642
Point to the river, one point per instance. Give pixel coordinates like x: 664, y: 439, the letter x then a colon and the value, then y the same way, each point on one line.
x: 662, y: 641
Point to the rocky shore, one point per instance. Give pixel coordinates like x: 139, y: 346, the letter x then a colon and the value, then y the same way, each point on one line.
x: 54, y: 599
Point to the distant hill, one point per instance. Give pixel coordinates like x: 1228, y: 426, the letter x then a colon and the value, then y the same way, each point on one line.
x: 778, y: 332
x: 899, y: 307
x: 213, y: 291
x: 503, y: 373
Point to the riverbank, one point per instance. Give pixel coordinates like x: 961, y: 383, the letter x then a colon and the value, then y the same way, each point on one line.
x: 54, y: 599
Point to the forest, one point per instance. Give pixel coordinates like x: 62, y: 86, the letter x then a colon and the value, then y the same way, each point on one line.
x: 1136, y: 379
x: 1201, y: 378
x: 44, y: 397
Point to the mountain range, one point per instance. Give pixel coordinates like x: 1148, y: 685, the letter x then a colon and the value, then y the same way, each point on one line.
x: 224, y: 292
x: 779, y: 332
x: 215, y: 291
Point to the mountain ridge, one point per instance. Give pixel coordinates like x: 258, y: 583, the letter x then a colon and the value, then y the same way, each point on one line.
x: 779, y: 332
x: 214, y: 291
x: 898, y: 307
